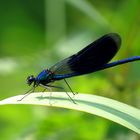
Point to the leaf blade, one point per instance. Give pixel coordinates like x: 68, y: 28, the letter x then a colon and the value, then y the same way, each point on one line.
x: 113, y: 110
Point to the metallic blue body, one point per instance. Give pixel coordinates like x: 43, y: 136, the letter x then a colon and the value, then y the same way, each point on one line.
x: 44, y: 77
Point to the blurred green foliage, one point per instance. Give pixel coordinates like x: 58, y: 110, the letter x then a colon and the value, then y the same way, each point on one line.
x: 36, y: 34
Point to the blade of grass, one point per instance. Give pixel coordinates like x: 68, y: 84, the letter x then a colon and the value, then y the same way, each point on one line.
x: 88, y: 9
x: 113, y: 110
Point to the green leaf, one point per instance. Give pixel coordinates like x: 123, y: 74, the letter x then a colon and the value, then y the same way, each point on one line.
x: 118, y: 112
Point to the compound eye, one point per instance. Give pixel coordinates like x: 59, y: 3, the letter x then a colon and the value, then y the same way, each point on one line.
x: 30, y: 79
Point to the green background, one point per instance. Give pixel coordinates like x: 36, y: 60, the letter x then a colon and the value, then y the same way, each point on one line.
x: 35, y: 34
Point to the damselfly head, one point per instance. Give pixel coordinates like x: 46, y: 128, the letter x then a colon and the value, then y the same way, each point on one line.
x: 30, y: 80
